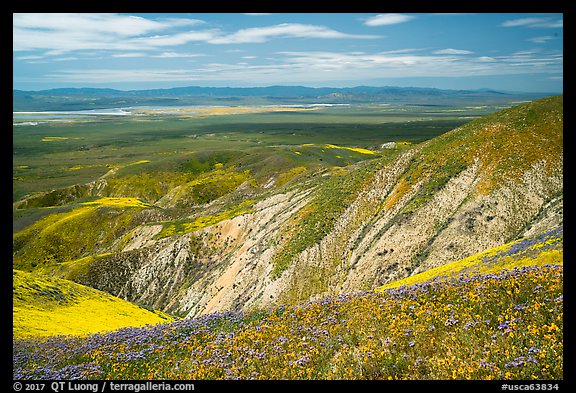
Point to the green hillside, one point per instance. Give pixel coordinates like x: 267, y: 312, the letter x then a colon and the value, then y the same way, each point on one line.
x: 78, y: 231
x: 44, y: 306
x: 505, y: 144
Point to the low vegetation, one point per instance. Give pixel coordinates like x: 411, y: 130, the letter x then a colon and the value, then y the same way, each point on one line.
x: 44, y: 307
x: 498, y: 326
x: 180, y: 227
x: 527, y: 139
x: 69, y: 235
x: 82, y: 150
x: 207, y: 188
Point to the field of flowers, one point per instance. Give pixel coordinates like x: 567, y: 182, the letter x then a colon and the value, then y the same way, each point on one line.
x: 506, y: 325
x: 46, y: 306
x: 543, y: 248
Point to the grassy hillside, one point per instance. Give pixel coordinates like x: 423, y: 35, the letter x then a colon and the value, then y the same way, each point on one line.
x: 45, y: 306
x: 545, y: 248
x: 505, y: 144
x: 497, y: 326
x: 333, y: 194
x: 493, y: 315
x: 184, y: 190
x: 77, y: 232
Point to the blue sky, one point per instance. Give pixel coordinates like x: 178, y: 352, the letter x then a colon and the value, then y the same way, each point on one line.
x: 519, y: 52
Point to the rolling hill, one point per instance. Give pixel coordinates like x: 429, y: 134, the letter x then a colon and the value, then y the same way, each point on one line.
x: 436, y: 260
x: 283, y: 231
x: 44, y: 307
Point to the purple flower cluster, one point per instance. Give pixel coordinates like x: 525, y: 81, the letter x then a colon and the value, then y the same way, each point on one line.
x: 70, y: 371
x: 520, y: 361
x: 550, y: 240
x: 138, y: 344
x: 301, y: 361
x: 470, y: 324
x: 533, y: 350
x: 520, y: 307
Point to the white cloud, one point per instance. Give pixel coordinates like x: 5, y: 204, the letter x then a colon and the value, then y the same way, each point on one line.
x: 542, y: 40
x: 249, y: 57
x: 525, y: 53
x: 29, y: 57
x: 296, y: 30
x: 175, y: 39
x: 69, y: 32
x: 38, y: 62
x: 110, y: 24
x: 172, y: 55
x: 451, y: 51
x: 322, y: 66
x: 129, y: 54
x: 177, y: 22
x: 407, y: 50
x: 405, y: 65
x: 163, y: 55
x: 534, y: 22
x: 70, y: 58
x: 55, y: 52
x: 127, y: 75
x: 61, y: 33
x: 387, y: 19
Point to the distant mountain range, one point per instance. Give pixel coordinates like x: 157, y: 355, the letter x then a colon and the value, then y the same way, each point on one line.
x: 269, y: 91
x: 96, y: 98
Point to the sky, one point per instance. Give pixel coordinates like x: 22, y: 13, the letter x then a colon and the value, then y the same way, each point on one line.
x: 507, y: 52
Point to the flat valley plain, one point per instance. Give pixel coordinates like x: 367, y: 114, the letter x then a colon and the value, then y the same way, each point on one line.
x: 51, y: 151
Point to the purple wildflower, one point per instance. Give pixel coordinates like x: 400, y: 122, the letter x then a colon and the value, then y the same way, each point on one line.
x: 533, y: 350
x: 302, y: 360
x: 469, y: 325
x: 519, y: 361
